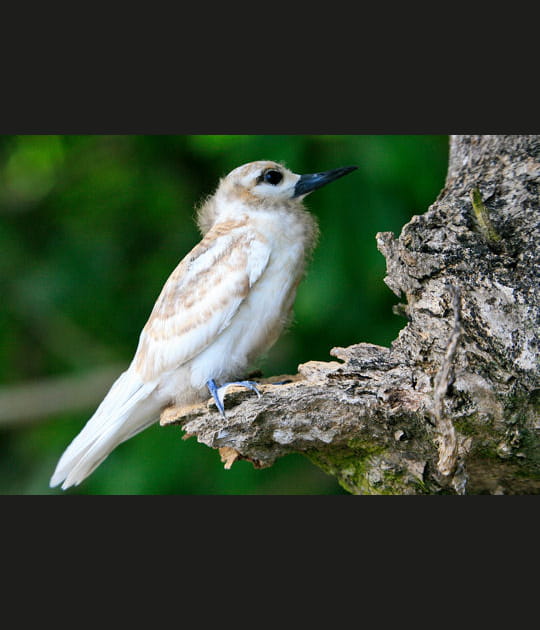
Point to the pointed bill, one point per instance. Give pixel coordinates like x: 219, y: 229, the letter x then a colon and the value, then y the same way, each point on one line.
x: 312, y: 181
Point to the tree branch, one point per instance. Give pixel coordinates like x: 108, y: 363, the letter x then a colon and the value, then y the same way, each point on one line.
x: 39, y: 400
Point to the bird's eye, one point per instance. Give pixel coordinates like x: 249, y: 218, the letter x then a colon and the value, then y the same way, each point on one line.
x: 271, y: 176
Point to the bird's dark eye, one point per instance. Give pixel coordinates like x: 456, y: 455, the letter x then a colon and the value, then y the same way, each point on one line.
x: 271, y: 176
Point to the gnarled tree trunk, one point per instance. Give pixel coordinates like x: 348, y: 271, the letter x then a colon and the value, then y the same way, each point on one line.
x: 453, y: 406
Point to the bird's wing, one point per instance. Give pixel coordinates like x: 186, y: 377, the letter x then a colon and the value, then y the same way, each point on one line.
x: 200, y: 298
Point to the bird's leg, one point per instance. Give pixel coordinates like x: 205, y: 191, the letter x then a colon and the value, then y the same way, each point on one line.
x: 218, y: 393
x: 212, y: 387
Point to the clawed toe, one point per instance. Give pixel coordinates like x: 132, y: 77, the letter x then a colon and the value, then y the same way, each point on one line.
x: 249, y: 384
x: 218, y: 393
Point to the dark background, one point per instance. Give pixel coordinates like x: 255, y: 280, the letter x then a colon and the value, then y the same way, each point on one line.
x: 90, y: 228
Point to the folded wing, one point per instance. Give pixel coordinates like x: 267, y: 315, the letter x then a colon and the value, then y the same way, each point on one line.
x: 200, y: 298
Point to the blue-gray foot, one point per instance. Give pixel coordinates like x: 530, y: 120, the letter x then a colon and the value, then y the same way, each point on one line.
x: 218, y: 393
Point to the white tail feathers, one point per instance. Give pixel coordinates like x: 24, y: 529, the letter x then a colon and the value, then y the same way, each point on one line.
x: 126, y: 410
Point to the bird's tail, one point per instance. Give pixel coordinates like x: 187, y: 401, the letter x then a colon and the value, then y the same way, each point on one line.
x: 127, y: 409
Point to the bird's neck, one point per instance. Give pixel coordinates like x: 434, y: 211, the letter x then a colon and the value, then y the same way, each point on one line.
x: 289, y: 224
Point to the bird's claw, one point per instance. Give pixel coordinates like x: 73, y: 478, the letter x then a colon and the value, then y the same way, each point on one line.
x: 218, y: 393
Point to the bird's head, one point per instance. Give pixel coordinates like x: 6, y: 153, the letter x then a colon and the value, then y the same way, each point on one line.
x: 270, y: 182
x: 264, y: 184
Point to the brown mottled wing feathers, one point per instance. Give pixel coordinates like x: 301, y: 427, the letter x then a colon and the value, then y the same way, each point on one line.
x: 200, y: 297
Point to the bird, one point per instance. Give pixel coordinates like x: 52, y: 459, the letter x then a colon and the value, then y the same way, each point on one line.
x: 226, y: 303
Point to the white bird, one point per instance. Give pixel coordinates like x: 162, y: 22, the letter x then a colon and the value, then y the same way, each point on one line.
x: 225, y: 304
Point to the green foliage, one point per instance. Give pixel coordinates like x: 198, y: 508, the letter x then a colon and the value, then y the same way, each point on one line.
x: 90, y: 228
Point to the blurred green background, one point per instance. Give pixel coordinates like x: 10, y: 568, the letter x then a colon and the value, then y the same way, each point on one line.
x: 90, y: 228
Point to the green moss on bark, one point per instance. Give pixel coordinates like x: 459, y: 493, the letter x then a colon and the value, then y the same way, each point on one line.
x: 361, y: 468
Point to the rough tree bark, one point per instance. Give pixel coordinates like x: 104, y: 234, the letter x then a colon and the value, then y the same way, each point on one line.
x: 453, y: 405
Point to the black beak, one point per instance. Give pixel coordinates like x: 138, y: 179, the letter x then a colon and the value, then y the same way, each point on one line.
x: 307, y: 183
